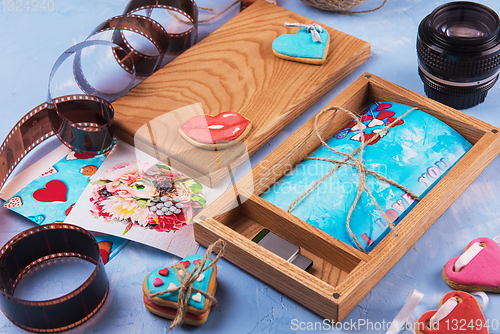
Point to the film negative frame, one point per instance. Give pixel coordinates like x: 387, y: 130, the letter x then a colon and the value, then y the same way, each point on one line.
x: 82, y: 122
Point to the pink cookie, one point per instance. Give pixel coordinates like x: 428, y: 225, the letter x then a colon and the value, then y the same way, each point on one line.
x: 481, y: 273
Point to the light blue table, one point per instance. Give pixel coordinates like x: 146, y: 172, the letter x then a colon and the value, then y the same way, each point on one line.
x: 32, y: 41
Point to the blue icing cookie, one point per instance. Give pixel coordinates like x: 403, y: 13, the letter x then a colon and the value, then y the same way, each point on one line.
x: 416, y: 152
x: 196, y: 300
x: 301, y: 47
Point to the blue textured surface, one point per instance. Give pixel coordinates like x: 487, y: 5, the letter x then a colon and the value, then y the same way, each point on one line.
x: 301, y: 44
x: 69, y: 173
x: 415, y: 154
x: 31, y: 43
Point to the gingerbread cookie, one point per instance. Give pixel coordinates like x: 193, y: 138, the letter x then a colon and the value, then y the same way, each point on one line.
x: 166, y: 305
x: 309, y: 45
x: 215, y: 132
x: 455, y: 309
x: 477, y: 269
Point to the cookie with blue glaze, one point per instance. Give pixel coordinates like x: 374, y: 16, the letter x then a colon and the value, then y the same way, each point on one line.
x: 166, y: 305
x: 301, y: 47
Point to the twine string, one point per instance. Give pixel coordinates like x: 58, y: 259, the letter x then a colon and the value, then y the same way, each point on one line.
x: 321, y: 4
x: 341, y: 7
x: 314, y: 29
x: 187, y: 279
x: 207, y: 9
x: 351, y: 160
x: 219, y: 14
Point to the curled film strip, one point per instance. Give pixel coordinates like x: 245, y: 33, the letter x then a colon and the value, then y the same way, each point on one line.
x: 80, y: 116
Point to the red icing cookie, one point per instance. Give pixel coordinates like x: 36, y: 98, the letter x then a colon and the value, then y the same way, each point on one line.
x: 215, y: 132
x: 466, y: 317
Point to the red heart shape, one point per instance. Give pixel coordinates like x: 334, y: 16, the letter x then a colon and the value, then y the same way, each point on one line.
x: 221, y: 128
x: 104, y: 256
x: 390, y: 120
x: 54, y: 191
x: 385, y: 114
x: 369, y: 136
x: 482, y: 271
x: 68, y: 210
x: 158, y: 282
x: 185, y: 263
x: 84, y: 156
x: 365, y: 118
x: 163, y: 272
x: 466, y: 315
x: 383, y: 106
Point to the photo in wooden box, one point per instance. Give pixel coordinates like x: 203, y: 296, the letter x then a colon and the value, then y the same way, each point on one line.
x: 414, y: 152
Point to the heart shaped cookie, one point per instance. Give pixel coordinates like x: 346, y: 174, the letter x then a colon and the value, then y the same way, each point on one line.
x: 54, y: 191
x: 459, y: 312
x: 165, y: 305
x: 215, y: 132
x: 479, y: 273
x: 301, y: 47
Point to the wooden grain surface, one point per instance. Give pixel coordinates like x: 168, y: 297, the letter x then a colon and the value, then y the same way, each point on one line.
x: 349, y: 285
x: 233, y: 69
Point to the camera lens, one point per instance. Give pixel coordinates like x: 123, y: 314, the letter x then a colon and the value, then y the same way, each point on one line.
x: 458, y: 47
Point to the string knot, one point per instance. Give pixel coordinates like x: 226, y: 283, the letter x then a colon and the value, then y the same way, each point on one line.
x: 314, y: 29
x: 187, y: 279
x: 350, y: 159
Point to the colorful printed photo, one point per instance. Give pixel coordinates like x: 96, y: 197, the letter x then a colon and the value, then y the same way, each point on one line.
x: 137, y: 197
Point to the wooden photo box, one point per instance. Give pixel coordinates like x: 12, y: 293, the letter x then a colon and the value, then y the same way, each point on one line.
x: 341, y: 275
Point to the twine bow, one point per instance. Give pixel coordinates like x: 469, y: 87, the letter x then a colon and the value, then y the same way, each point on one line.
x: 187, y: 279
x: 314, y: 29
x: 351, y: 160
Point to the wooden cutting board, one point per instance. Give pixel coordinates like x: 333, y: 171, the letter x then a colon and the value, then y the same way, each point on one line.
x: 232, y: 69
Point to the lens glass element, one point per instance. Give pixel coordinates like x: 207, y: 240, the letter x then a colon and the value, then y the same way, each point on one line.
x: 464, y: 21
x: 464, y: 29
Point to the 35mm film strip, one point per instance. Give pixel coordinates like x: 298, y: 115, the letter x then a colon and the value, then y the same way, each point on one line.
x: 81, y: 118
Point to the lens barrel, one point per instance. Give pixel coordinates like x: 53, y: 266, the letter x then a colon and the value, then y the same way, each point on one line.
x: 458, y: 47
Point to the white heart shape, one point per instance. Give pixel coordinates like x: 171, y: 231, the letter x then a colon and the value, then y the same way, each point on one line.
x: 357, y: 126
x: 172, y: 286
x: 375, y: 122
x: 356, y: 137
x: 71, y: 156
x: 200, y: 278
x: 196, y: 297
x: 380, y: 132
